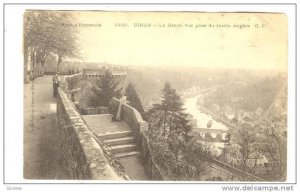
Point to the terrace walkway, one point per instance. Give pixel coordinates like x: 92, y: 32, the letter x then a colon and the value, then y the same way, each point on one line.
x: 41, y: 134
x: 118, y: 137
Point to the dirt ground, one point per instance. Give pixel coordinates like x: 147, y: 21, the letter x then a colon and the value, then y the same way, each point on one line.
x: 41, y: 137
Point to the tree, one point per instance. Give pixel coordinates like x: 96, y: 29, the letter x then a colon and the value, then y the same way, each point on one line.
x: 134, y: 99
x: 172, y: 147
x: 189, y: 165
x: 169, y: 121
x: 276, y: 151
x: 45, y: 33
x: 35, y: 38
x: 170, y: 115
x: 66, y: 44
x: 107, y: 87
x: 248, y: 148
x: 175, y: 119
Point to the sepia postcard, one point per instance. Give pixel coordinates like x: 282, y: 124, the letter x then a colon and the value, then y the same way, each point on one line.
x: 155, y: 96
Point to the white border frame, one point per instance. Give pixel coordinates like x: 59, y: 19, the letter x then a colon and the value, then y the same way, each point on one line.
x: 14, y: 75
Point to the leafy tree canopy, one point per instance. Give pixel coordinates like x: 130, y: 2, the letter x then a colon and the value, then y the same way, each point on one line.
x: 107, y: 87
x: 134, y: 99
x: 47, y: 32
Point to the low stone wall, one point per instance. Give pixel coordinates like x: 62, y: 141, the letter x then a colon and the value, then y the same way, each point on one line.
x: 72, y: 86
x: 132, y: 118
x: 135, y: 121
x: 140, y: 131
x: 74, y: 81
x: 150, y: 166
x: 82, y: 157
x: 94, y: 111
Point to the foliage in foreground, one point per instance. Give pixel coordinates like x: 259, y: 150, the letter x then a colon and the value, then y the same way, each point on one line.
x: 134, y: 99
x: 179, y: 160
x: 174, y: 150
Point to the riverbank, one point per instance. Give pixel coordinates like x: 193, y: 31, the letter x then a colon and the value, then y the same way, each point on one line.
x: 202, y: 117
x: 217, y: 118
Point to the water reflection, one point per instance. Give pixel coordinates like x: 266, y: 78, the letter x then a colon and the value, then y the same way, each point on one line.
x: 202, y: 118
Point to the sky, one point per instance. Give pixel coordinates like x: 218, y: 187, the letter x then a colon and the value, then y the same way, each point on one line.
x: 262, y: 45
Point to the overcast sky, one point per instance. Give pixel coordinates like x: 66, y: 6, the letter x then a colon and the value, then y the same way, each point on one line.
x: 258, y: 48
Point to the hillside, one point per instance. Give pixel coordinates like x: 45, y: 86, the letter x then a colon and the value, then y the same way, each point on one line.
x: 258, y: 88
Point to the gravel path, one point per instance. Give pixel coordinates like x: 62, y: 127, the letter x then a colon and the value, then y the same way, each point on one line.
x: 41, y: 143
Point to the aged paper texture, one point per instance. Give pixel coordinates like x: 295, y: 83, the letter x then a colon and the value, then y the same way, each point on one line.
x: 155, y: 96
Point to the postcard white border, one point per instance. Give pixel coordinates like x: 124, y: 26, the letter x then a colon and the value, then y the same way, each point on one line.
x: 14, y: 78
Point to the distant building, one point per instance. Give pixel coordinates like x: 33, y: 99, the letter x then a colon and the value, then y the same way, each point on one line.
x: 228, y: 112
x: 258, y: 160
x: 235, y: 100
x: 236, y: 159
x: 245, y: 117
x: 247, y: 125
x: 96, y: 72
x: 90, y: 76
x: 259, y: 112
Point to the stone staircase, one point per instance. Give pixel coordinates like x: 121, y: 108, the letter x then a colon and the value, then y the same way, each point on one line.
x: 121, y: 143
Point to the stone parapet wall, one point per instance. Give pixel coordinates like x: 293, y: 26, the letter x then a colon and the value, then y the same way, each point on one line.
x: 150, y: 166
x: 82, y: 157
x: 72, y: 86
x: 74, y: 81
x: 132, y: 118
x: 94, y: 110
x: 135, y: 121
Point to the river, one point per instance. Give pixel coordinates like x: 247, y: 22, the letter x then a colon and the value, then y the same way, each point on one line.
x: 190, y: 105
x: 202, y: 118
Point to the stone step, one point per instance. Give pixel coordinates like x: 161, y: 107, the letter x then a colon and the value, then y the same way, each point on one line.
x: 114, y: 135
x: 122, y: 148
x: 119, y: 141
x: 99, y: 116
x: 105, y: 116
x: 126, y: 154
